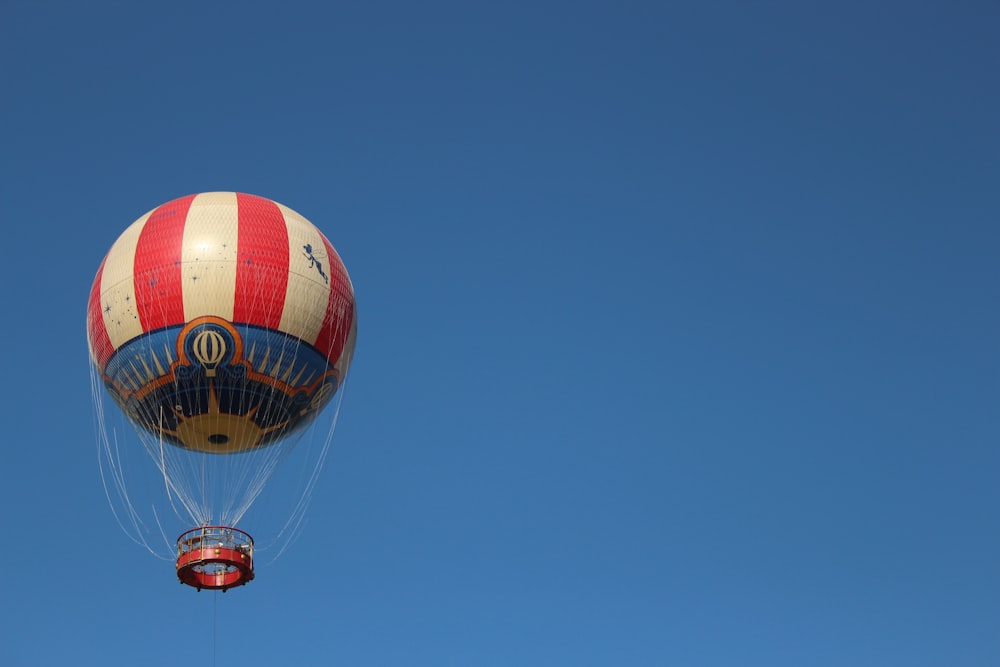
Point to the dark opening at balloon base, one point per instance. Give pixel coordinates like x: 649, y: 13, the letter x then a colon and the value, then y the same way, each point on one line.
x: 215, y: 557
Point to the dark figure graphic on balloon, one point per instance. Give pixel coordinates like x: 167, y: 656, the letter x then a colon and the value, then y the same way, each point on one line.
x: 315, y: 262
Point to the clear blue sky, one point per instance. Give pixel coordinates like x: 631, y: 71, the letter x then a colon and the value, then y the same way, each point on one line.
x: 678, y: 326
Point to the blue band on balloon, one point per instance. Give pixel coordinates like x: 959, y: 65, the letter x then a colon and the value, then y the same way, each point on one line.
x: 243, y: 374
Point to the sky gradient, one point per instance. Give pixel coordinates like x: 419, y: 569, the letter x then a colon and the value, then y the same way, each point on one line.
x: 677, y: 327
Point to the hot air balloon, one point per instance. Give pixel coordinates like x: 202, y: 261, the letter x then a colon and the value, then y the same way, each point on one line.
x: 221, y: 325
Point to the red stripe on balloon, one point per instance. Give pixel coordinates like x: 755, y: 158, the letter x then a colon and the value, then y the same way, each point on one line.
x: 339, y: 309
x: 262, y: 262
x: 159, y: 289
x: 97, y: 332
